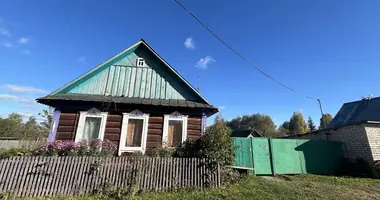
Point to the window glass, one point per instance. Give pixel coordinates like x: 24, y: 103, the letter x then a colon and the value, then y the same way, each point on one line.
x: 91, y: 128
x: 174, y: 133
x: 134, y: 133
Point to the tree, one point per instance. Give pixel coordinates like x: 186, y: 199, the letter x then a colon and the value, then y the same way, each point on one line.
x: 297, y: 124
x: 325, y: 120
x: 311, y: 125
x: 262, y: 123
x: 283, y: 129
x: 31, y: 130
x: 48, y: 119
x: 11, y: 126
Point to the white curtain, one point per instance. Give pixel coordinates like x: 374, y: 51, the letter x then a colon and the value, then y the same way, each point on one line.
x: 91, y: 128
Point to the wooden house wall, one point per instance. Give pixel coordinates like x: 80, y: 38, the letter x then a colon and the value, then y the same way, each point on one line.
x: 68, y: 122
x: 67, y: 126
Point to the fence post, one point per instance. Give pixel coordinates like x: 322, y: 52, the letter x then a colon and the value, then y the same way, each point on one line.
x: 253, y: 172
x: 272, y: 157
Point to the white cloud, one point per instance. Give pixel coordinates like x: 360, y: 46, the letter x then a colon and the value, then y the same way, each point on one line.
x: 26, y: 52
x: 24, y: 40
x: 32, y: 106
x: 7, y: 97
x: 189, y: 43
x: 5, y: 32
x: 221, y: 108
x: 7, y: 44
x: 23, y: 89
x: 82, y: 59
x: 204, y: 62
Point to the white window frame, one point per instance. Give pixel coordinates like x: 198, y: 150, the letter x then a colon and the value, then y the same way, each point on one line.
x: 95, y: 113
x: 175, y: 116
x: 142, y: 60
x: 136, y: 114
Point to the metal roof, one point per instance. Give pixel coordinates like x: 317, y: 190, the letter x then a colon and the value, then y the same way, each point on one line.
x: 245, y: 133
x: 357, y: 112
x: 51, y: 100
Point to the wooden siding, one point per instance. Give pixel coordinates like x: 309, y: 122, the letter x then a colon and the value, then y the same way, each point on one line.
x: 73, y: 176
x: 124, y: 78
x: 68, y: 123
x: 155, y: 128
x: 194, y: 126
x: 113, y: 128
x: 67, y: 126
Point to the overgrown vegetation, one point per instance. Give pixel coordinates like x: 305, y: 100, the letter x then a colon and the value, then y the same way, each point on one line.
x: 93, y: 147
x: 303, y: 187
x: 6, y: 153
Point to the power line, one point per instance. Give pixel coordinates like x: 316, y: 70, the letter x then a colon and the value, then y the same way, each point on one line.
x: 237, y: 53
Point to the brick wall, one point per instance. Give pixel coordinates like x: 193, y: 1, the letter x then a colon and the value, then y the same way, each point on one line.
x: 373, y: 134
x: 356, y: 142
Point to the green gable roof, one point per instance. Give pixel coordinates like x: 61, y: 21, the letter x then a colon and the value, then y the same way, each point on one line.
x: 120, y: 77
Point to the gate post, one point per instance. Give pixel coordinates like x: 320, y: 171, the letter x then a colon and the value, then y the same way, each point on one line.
x: 253, y: 172
x: 272, y: 158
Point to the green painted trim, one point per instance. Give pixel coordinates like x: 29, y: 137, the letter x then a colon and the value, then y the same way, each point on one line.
x: 98, y: 68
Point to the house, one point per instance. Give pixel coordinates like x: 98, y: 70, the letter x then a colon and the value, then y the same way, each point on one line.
x: 357, y: 125
x: 135, y: 99
x: 246, y: 133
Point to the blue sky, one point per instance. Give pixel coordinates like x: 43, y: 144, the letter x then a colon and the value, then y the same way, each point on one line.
x: 325, y: 49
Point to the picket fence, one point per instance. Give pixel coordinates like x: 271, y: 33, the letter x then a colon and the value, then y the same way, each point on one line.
x: 31, y: 176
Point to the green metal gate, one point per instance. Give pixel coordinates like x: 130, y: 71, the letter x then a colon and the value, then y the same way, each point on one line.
x: 288, y: 156
x: 261, y: 156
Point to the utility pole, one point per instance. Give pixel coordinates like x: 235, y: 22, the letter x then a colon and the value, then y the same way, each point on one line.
x: 323, y: 119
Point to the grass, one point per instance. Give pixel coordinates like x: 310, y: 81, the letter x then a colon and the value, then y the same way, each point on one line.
x: 285, y: 187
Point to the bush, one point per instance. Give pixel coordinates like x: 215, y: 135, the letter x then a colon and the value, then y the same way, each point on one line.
x: 215, y: 146
x: 231, y: 176
x: 159, y: 151
x: 6, y: 153
x: 84, y: 148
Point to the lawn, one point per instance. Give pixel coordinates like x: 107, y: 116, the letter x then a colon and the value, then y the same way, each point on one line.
x: 287, y: 187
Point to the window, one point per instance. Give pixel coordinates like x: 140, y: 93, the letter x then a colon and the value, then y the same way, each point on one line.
x: 175, y: 129
x: 133, y: 132
x: 140, y: 62
x: 91, y: 125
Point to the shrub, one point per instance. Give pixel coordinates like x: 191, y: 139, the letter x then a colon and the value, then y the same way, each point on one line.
x: 215, y: 146
x: 159, y: 151
x: 83, y: 148
x: 231, y: 176
x: 6, y: 153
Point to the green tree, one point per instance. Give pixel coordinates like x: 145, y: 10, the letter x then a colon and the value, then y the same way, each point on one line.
x: 297, y: 124
x: 283, y: 129
x: 47, y: 116
x: 11, y: 126
x: 311, y: 125
x: 31, y: 130
x: 325, y: 120
x: 263, y: 123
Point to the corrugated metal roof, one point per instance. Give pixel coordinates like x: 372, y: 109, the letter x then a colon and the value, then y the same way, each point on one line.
x: 125, y: 100
x: 358, y: 111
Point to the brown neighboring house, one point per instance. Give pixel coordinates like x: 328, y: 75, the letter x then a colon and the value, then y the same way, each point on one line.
x: 135, y: 99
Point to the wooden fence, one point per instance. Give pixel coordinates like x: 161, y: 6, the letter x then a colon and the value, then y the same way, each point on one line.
x: 52, y: 176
